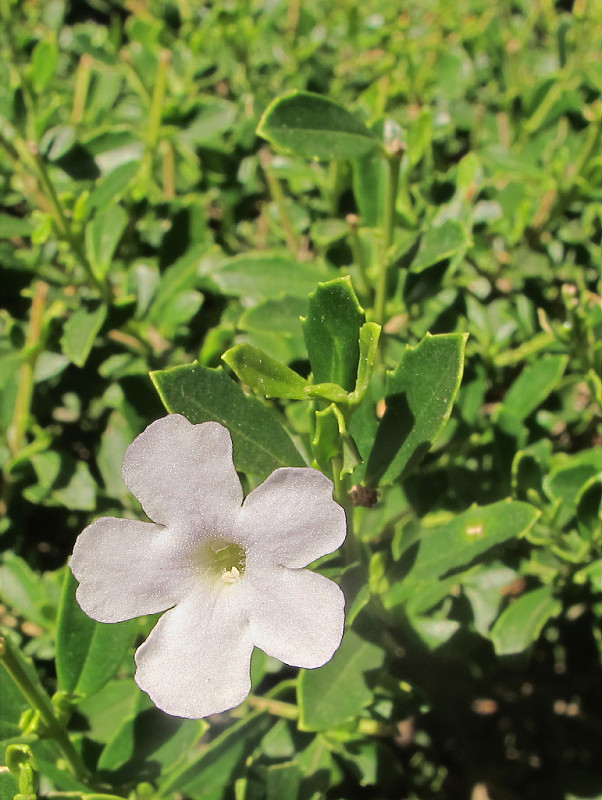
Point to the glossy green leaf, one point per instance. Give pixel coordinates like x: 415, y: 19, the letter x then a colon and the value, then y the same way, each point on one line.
x: 9, y: 786
x: 263, y: 374
x: 521, y: 623
x: 149, y: 735
x: 13, y: 705
x: 265, y: 276
x: 589, y: 509
x: 533, y: 385
x: 81, y: 329
x: 338, y: 691
x: 311, y: 126
x: 283, y: 781
x: 332, y: 330
x: 458, y: 543
x: 103, y: 234
x: 440, y: 243
x: 221, y: 761
x: 88, y: 653
x: 261, y: 444
x: 369, y: 338
x: 419, y: 398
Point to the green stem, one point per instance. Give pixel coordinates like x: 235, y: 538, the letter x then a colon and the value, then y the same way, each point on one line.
x: 156, y: 109
x: 16, y: 432
x: 369, y: 727
x: 65, y: 225
x: 40, y: 701
x: 278, y: 197
x: 351, y: 547
x: 393, y: 163
x: 82, y: 84
x: 358, y: 255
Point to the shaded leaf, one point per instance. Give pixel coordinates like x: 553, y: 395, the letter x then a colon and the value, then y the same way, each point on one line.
x: 521, y: 623
x: 261, y: 444
x: 311, y: 126
x: 420, y: 395
x: 88, y: 653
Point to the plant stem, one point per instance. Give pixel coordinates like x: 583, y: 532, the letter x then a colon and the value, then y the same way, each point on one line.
x: 278, y: 197
x: 156, y: 109
x: 276, y: 707
x: 369, y: 727
x: 358, y: 255
x: 39, y: 700
x: 16, y: 432
x: 64, y: 224
x: 393, y: 163
x: 82, y: 83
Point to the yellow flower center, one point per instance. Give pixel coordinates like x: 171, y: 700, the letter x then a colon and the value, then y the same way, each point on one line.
x: 221, y: 559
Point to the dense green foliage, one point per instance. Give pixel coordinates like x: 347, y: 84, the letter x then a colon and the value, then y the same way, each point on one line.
x: 181, y: 183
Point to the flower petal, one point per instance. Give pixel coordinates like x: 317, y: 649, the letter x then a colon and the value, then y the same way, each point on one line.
x: 292, y: 517
x: 297, y: 616
x: 196, y: 661
x: 127, y: 568
x: 181, y: 471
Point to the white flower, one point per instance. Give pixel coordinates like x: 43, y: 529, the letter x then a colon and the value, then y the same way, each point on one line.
x: 229, y: 572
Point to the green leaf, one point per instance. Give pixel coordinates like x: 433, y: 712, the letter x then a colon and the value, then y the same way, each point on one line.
x: 533, y: 385
x: 419, y: 398
x: 521, y: 623
x: 103, y: 234
x: 80, y: 331
x: 283, y: 781
x: 440, y: 243
x: 111, y: 188
x: 44, y: 60
x: 25, y: 591
x: 265, y: 276
x: 332, y: 331
x: 311, y: 126
x: 589, y: 509
x: 263, y: 374
x: 63, y: 481
x: 12, y: 226
x: 337, y: 692
x: 13, y: 705
x: 369, y: 338
x: 459, y: 542
x: 88, y: 653
x: 9, y: 786
x: 149, y: 735
x: 211, y: 775
x: 261, y: 444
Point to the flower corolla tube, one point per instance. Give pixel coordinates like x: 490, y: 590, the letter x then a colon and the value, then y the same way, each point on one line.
x: 228, y: 574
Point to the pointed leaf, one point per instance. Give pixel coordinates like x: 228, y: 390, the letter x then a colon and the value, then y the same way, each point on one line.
x: 311, y: 126
x: 337, y: 692
x: 369, y: 338
x: 419, y: 399
x: 264, y: 374
x: 520, y: 624
x: 88, y: 653
x: 103, y: 234
x: 81, y: 329
x: 332, y: 330
x: 261, y: 444
x: 440, y: 243
x: 264, y: 276
x: 533, y: 385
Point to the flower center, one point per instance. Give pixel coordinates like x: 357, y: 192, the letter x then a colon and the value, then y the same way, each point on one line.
x: 222, y: 559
